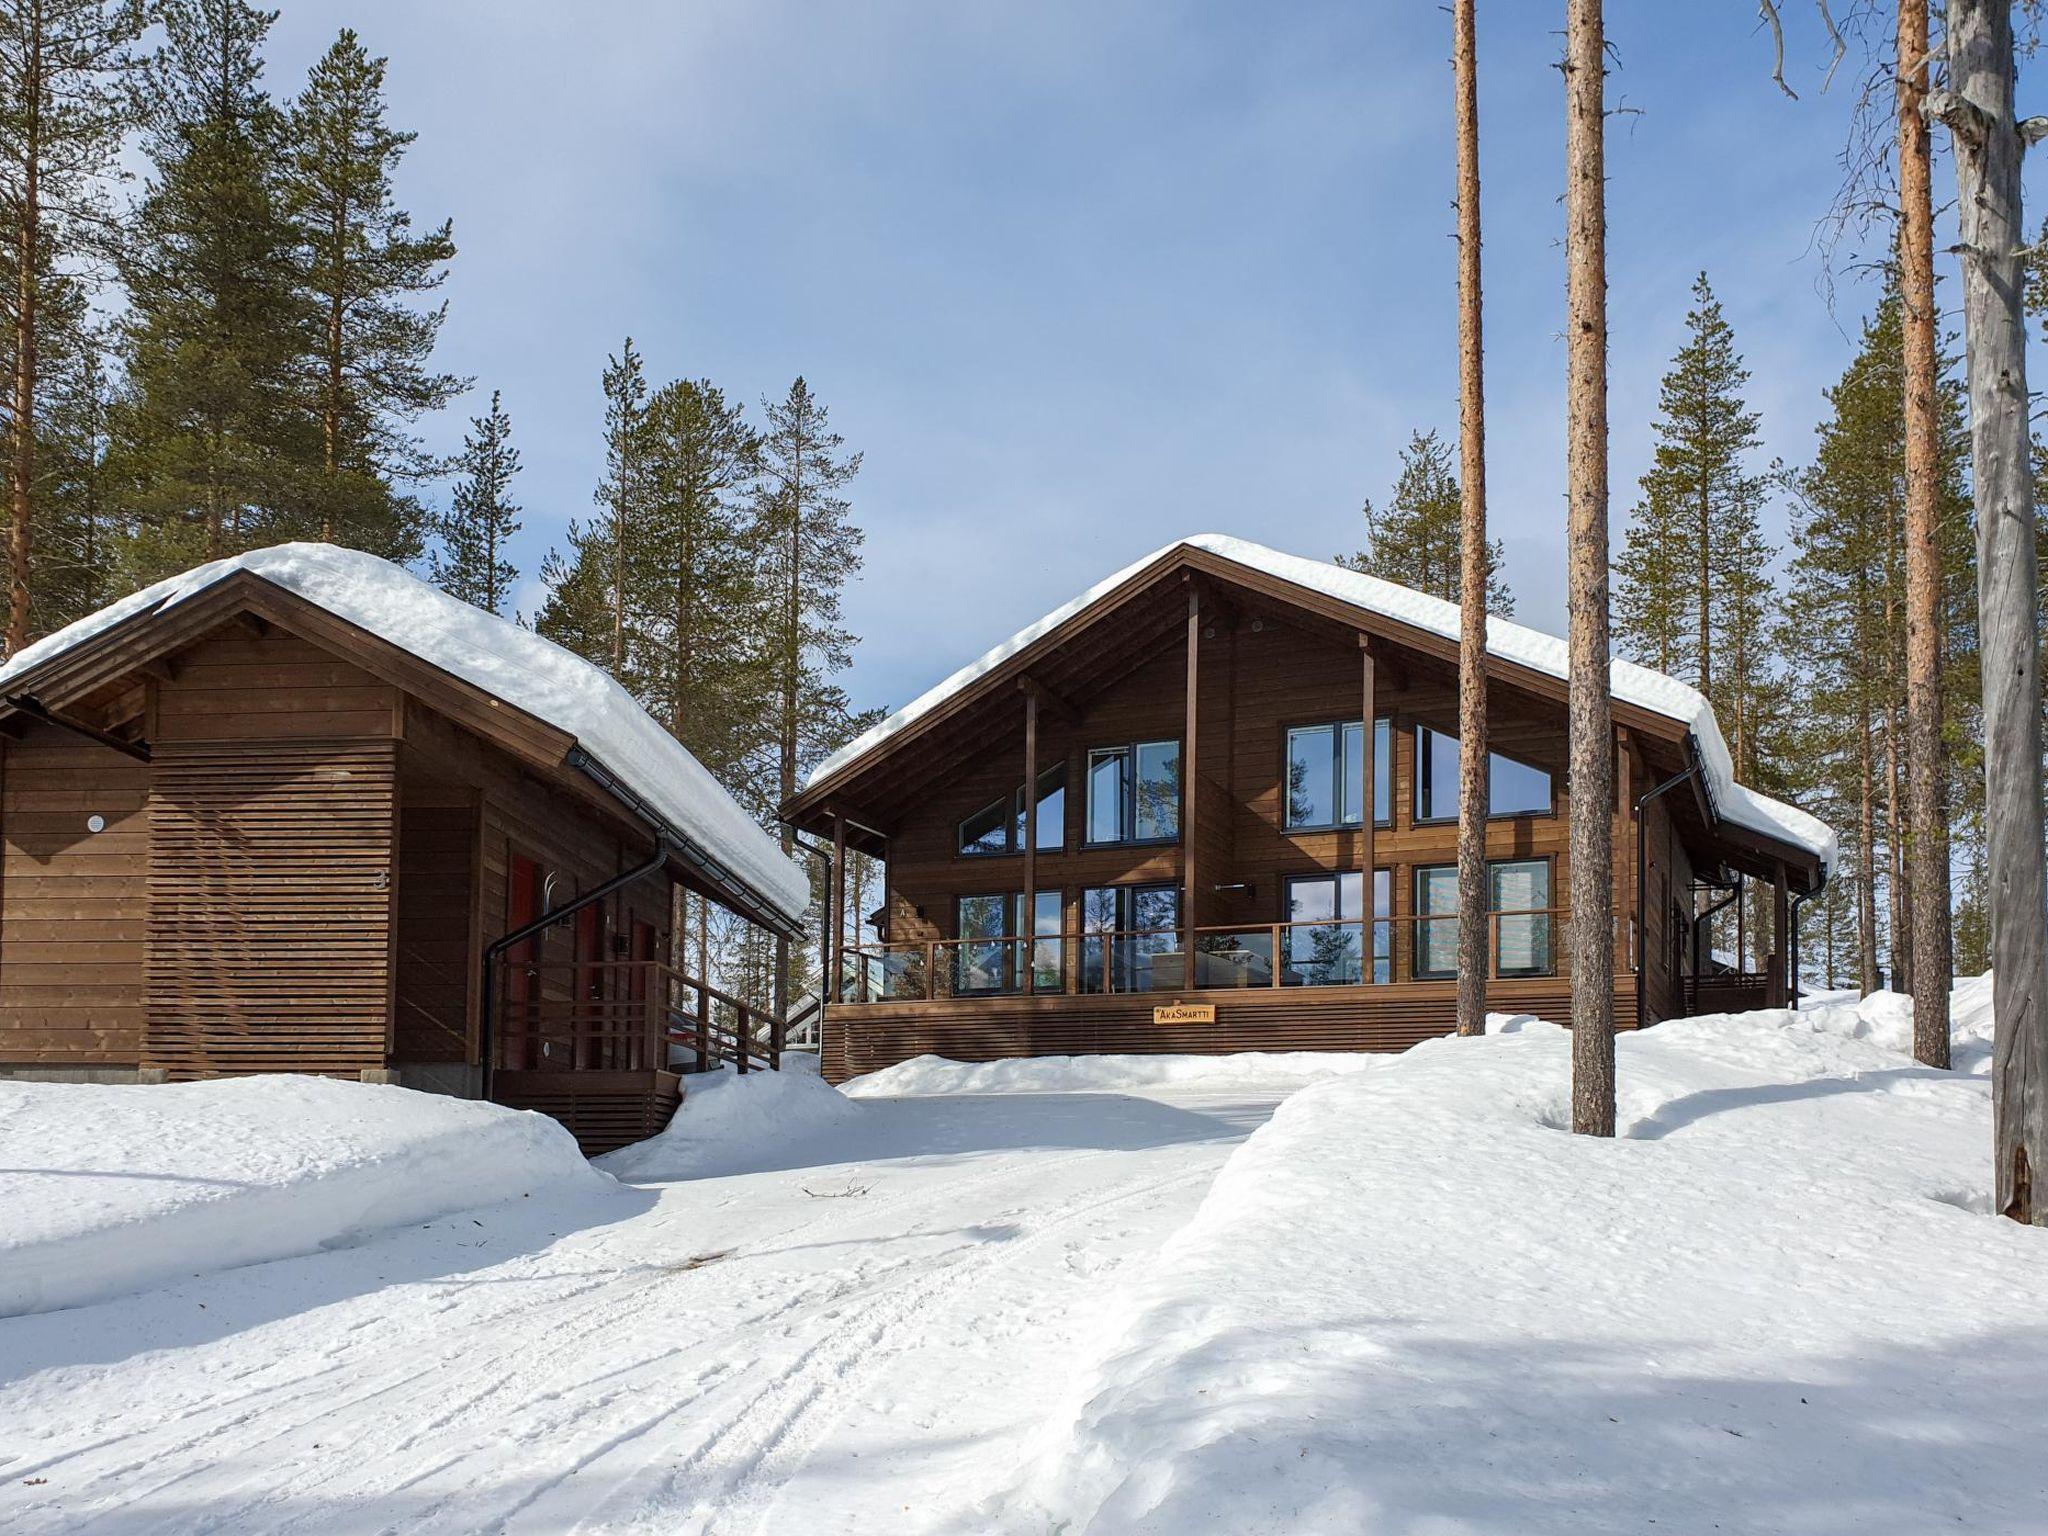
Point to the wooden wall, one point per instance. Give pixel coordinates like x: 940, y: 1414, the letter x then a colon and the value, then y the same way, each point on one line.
x: 438, y: 843
x: 1255, y: 687
x: 271, y: 885
x: 73, y: 903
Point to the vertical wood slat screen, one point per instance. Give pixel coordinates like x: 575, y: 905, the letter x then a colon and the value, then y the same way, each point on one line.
x: 271, y: 875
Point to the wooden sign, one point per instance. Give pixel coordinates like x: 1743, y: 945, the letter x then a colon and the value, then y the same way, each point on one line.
x: 1184, y: 1013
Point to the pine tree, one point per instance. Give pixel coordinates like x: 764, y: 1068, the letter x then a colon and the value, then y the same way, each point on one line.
x: 76, y: 569
x: 65, y: 68
x: 809, y: 546
x: 1415, y: 540
x: 371, y: 376
x: 211, y: 443
x: 1697, y: 525
x: 696, y: 583
x: 588, y: 596
x: 1846, y: 633
x: 482, y: 517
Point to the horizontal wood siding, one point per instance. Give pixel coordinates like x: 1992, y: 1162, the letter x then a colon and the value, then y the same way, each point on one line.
x: 869, y: 1036
x: 437, y: 848
x: 603, y: 1110
x: 271, y: 896
x: 73, y: 903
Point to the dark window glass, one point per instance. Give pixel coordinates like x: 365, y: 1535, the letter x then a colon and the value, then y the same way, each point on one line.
x: 1436, y: 929
x: 1327, y: 952
x: 990, y: 830
x: 1516, y: 789
x: 995, y: 958
x: 1326, y: 773
x: 1522, y: 886
x: 1513, y: 788
x: 985, y: 831
x: 1134, y: 793
x: 978, y: 965
x: 1126, y: 928
x: 1108, y: 772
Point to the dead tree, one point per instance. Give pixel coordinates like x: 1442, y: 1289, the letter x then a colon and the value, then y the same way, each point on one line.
x: 1977, y: 108
x: 1927, y: 814
x: 1592, y: 730
x: 1473, y: 945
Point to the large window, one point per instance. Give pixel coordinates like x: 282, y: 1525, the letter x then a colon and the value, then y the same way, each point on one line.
x: 1125, y: 930
x: 1521, y: 889
x: 1513, y: 788
x: 1327, y: 950
x: 1519, y: 892
x: 999, y: 828
x: 994, y: 956
x: 1326, y: 774
x: 1134, y: 793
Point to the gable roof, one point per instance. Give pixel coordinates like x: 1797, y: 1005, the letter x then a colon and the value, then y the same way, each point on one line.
x: 1404, y: 607
x: 526, y: 671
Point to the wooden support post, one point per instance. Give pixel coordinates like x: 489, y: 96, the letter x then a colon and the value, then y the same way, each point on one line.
x: 1028, y: 919
x: 1780, y: 925
x: 1370, y: 771
x: 832, y: 985
x: 1190, y: 777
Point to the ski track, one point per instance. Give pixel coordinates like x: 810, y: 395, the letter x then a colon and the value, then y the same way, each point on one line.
x: 607, y: 1381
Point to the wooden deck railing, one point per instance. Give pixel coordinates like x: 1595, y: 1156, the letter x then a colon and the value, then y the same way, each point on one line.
x: 1522, y: 943
x: 626, y: 1015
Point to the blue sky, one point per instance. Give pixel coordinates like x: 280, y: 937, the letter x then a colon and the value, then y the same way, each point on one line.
x: 1079, y: 278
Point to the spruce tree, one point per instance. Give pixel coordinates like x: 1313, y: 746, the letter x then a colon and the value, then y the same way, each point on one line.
x: 470, y: 562
x: 371, y: 375
x: 65, y: 105
x: 1415, y: 540
x: 212, y: 445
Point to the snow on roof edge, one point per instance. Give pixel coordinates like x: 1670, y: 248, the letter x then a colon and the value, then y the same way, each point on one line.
x: 506, y: 661
x: 1540, y: 652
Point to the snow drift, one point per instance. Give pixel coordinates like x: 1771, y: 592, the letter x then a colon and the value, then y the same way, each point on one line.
x: 1414, y: 1302
x: 731, y: 1124
x: 106, y: 1190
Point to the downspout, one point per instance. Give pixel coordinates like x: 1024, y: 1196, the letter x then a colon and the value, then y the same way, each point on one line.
x: 1643, y: 879
x: 486, y: 1043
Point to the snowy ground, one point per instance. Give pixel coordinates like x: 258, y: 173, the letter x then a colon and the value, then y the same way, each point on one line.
x: 1092, y: 1297
x: 879, y: 1311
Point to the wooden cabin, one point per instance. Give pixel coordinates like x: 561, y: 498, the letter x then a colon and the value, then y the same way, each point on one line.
x: 1204, y: 874
x: 298, y: 811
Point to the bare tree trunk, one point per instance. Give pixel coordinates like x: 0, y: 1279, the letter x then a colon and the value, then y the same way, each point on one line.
x: 1473, y: 946
x: 1592, y: 727
x: 1927, y: 814
x: 28, y: 233
x: 1978, y: 108
x: 1866, y: 865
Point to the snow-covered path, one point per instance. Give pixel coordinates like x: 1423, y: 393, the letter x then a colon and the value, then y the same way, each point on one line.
x: 850, y: 1339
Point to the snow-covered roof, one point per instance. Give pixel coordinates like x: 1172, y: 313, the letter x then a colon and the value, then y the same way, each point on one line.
x: 506, y: 661
x: 1509, y: 641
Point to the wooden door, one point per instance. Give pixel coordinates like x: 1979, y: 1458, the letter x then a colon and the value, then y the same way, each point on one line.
x: 523, y: 896
x: 588, y: 1017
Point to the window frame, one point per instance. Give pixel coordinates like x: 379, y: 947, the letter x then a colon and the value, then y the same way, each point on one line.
x: 1422, y: 918
x: 1371, y: 928
x: 1127, y: 795
x: 1337, y: 728
x: 1011, y: 818
x: 1422, y: 820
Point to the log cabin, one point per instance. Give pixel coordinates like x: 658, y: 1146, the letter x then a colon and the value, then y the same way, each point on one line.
x: 1175, y: 765
x: 298, y: 811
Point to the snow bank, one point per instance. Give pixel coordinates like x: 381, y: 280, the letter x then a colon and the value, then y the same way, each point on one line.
x: 1108, y: 1074
x: 106, y: 1190
x: 511, y: 663
x: 1887, y: 1019
x: 1506, y: 639
x: 733, y: 1124
x: 1414, y: 1302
